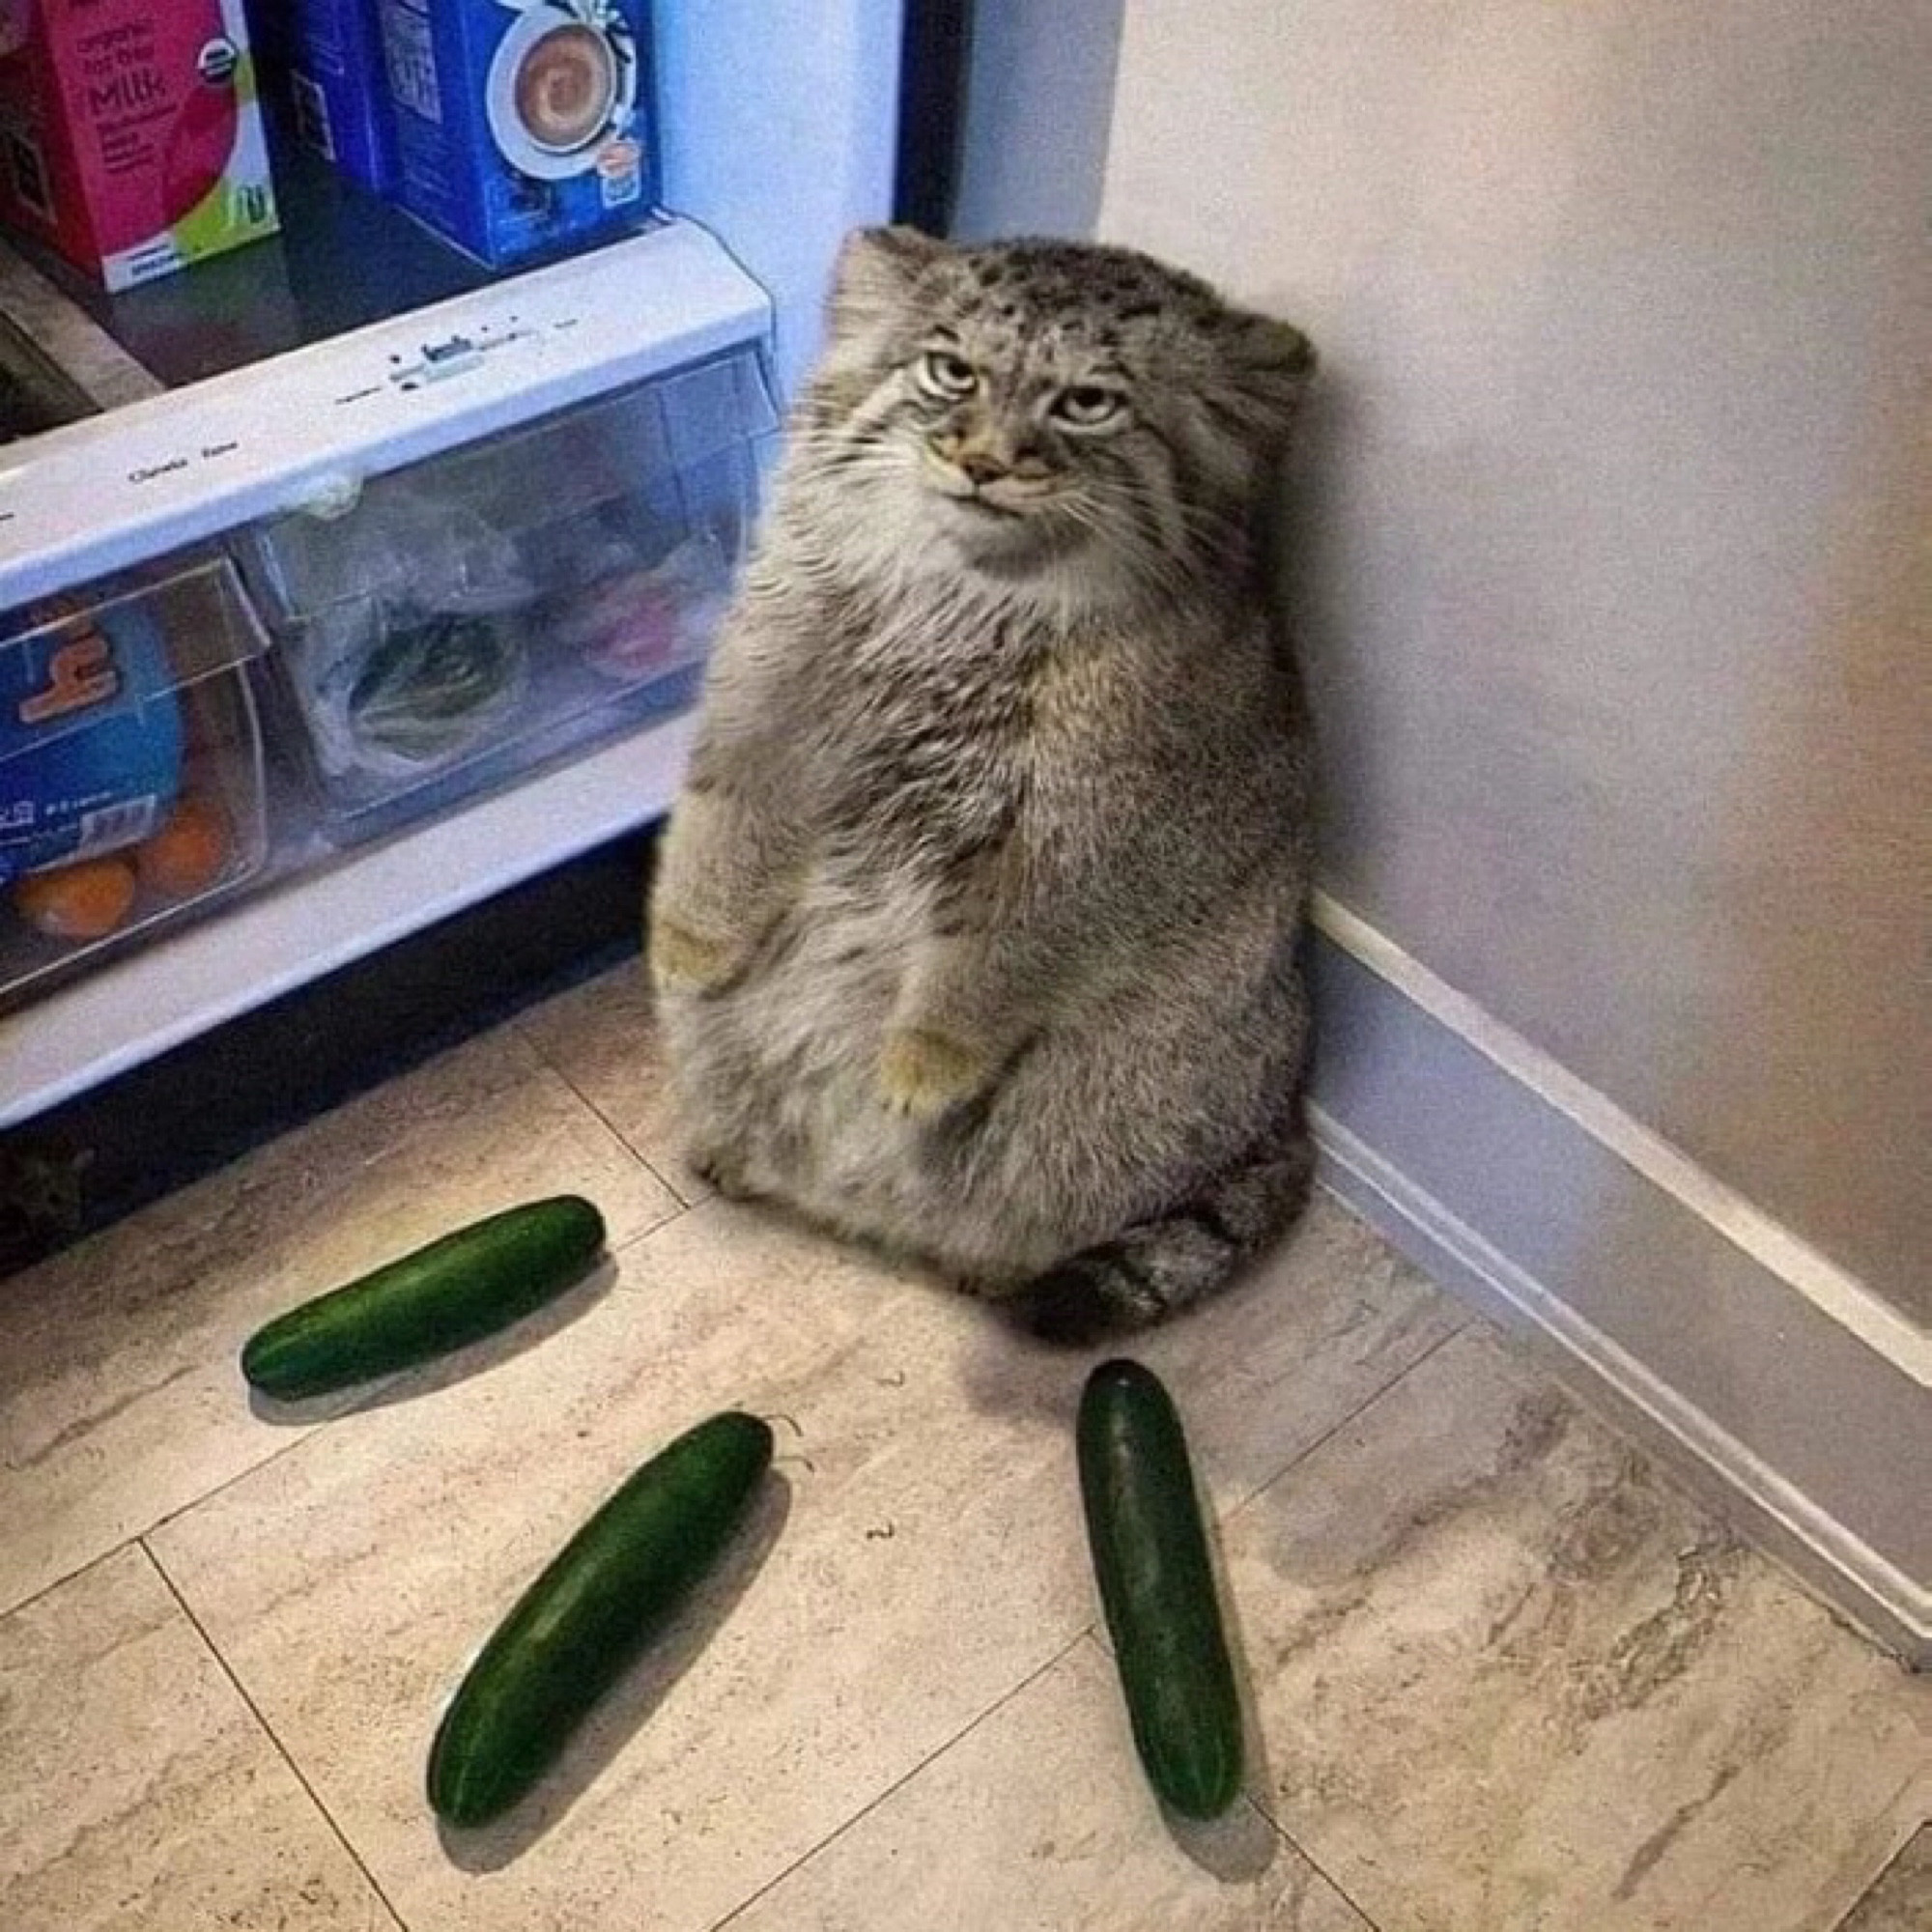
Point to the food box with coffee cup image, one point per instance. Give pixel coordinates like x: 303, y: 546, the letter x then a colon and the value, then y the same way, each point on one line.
x: 523, y: 126
x: 130, y: 136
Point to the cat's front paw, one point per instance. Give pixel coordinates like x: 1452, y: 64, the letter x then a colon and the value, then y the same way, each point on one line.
x: 922, y: 1074
x: 684, y: 960
x: 719, y: 1172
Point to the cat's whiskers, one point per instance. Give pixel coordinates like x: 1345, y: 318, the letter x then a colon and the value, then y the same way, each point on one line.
x: 847, y: 453
x: 1120, y: 538
x: 1106, y: 537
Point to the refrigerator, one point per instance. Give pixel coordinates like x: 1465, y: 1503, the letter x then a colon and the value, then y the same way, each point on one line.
x: 348, y: 583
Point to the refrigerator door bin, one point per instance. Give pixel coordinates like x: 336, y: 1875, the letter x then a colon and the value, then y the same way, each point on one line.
x: 470, y: 616
x: 132, y: 789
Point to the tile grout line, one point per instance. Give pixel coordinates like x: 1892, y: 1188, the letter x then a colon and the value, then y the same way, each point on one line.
x: 1328, y: 1435
x: 300, y: 1436
x: 59, y: 1583
x: 67, y: 1576
x: 1226, y: 1515
x: 305, y: 1434
x: 1878, y: 1877
x: 268, y: 1731
x: 1301, y: 1852
x: 1248, y: 1796
x: 904, y: 1778
x: 140, y: 1536
x: 638, y: 1240
x: 684, y: 1204
x: 610, y: 1126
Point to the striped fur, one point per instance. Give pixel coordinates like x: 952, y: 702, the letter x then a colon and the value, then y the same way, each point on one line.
x: 1147, y: 1272
x: 974, y: 929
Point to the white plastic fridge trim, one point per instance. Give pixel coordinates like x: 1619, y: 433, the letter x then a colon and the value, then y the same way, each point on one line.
x: 780, y: 132
x: 181, y: 985
x: 305, y: 427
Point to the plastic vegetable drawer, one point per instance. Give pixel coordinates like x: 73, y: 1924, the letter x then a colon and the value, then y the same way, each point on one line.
x: 131, y: 767
x: 469, y: 617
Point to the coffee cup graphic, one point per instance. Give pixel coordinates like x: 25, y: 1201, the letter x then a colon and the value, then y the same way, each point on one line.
x: 566, y: 85
x: 562, y: 81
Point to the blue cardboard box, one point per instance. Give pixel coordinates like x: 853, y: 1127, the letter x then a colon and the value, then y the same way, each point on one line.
x: 90, y: 735
x: 523, y: 126
x: 340, y: 96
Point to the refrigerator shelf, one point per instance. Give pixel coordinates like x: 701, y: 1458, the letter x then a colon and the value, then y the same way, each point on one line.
x: 310, y: 427
x: 177, y: 987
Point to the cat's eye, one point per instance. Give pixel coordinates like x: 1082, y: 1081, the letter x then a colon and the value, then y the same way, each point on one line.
x: 941, y: 372
x: 1088, y: 405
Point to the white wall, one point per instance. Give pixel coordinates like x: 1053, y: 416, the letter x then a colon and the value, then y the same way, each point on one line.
x: 1611, y: 528
x: 1040, y: 100
x: 784, y: 137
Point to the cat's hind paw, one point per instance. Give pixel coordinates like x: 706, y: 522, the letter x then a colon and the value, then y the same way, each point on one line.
x: 1069, y: 1309
x: 922, y: 1074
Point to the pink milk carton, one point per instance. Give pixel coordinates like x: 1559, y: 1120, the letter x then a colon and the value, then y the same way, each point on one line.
x: 131, y: 136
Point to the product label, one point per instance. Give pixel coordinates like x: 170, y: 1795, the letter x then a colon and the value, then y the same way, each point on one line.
x: 79, y: 672
x: 520, y: 129
x: 410, y: 53
x: 90, y: 735
x: 156, y: 105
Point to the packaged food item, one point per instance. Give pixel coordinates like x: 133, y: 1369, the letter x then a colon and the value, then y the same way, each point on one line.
x: 630, y: 623
x: 90, y: 735
x: 82, y: 901
x: 434, y: 688
x: 339, y: 94
x: 521, y: 126
x: 190, y: 853
x: 408, y: 652
x: 130, y: 135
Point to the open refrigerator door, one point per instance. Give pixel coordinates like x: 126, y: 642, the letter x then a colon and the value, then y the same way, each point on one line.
x: 346, y: 580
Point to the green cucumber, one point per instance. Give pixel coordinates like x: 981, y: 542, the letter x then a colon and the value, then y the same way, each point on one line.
x: 1157, y: 1588
x: 442, y: 1296
x: 579, y: 1627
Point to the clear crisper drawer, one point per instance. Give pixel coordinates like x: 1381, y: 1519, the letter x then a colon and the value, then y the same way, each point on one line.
x: 130, y: 765
x: 482, y: 611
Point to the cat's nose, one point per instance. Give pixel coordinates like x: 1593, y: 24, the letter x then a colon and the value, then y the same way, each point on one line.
x: 980, y: 467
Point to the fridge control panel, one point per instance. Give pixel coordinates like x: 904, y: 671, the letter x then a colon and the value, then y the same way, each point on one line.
x: 448, y: 358
x: 306, y: 429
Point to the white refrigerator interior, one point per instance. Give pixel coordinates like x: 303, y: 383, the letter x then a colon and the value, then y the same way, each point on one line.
x: 315, y: 650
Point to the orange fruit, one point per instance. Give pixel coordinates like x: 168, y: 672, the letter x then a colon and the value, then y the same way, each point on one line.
x: 83, y: 901
x: 188, y: 853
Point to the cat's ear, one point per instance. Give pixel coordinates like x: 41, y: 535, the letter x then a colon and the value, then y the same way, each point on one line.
x: 877, y: 271
x: 1270, y: 365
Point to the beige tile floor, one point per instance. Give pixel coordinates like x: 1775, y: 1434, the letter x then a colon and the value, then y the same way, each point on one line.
x: 1502, y: 1677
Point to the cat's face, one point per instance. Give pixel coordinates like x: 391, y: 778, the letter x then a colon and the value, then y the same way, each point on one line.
x: 1032, y: 406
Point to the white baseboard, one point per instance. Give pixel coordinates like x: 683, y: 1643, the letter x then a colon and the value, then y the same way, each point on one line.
x: 1849, y: 1572
x: 1834, y: 1290
x: 1803, y: 1428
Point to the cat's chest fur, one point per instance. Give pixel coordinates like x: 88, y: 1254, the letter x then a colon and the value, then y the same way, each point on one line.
x: 940, y: 733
